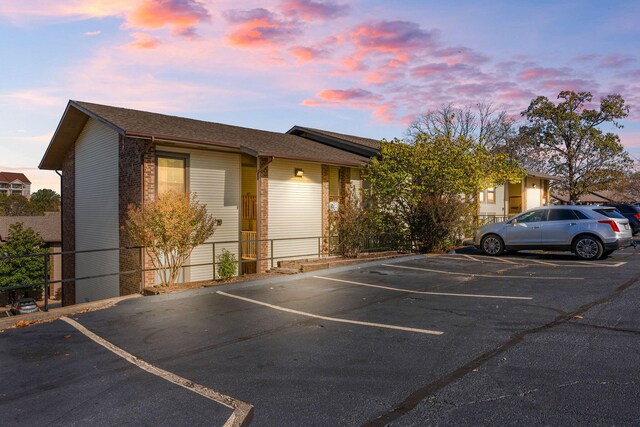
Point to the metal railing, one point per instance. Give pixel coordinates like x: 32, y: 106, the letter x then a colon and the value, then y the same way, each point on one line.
x: 324, y: 246
x: 490, y: 219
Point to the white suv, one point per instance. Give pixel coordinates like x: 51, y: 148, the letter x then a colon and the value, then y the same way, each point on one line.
x: 590, y: 232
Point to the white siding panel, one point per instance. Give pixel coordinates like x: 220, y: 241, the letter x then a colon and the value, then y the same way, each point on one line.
x: 295, y: 208
x: 96, y: 209
x: 215, y: 177
x: 496, y: 208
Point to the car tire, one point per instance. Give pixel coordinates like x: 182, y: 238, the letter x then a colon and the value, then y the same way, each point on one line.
x: 492, y: 245
x: 588, y: 247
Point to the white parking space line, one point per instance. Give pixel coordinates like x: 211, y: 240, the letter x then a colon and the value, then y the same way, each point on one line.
x: 448, y: 294
x: 333, y: 319
x: 493, y: 276
x: 486, y: 259
x: 544, y: 263
x: 527, y: 261
x: 241, y: 410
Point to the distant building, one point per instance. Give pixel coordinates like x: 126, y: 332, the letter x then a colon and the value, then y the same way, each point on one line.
x: 49, y: 229
x: 15, y: 183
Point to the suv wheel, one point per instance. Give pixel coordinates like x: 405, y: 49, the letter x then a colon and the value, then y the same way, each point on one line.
x: 588, y: 248
x: 492, y: 245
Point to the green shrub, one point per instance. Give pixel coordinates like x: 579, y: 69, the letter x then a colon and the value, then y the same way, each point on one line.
x: 227, y: 263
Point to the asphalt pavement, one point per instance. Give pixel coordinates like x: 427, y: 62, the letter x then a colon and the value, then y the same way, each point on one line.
x: 541, y: 339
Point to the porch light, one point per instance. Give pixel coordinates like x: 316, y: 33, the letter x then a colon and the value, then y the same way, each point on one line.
x: 534, y: 185
x: 298, y: 172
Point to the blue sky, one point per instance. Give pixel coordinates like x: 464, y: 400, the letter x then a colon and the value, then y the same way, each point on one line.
x: 359, y: 67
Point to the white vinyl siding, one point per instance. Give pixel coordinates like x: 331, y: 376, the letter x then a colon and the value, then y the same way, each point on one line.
x: 215, y: 177
x: 295, y: 208
x: 495, y: 208
x: 96, y: 211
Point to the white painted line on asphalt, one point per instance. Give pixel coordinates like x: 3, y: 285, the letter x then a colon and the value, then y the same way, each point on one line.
x: 333, y: 319
x: 544, y: 263
x: 241, y: 410
x: 493, y: 276
x: 527, y: 261
x: 448, y: 294
x: 488, y: 259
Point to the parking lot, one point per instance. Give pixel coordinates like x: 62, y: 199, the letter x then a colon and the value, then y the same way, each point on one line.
x: 423, y: 340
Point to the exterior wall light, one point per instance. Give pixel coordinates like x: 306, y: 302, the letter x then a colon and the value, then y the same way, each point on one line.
x: 298, y: 172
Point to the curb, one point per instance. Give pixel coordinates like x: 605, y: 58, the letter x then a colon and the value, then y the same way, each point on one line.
x: 55, y: 313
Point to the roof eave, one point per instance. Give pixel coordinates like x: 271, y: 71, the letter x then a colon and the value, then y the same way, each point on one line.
x: 333, y: 141
x: 64, y: 138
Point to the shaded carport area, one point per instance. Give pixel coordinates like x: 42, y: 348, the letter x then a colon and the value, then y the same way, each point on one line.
x: 445, y: 339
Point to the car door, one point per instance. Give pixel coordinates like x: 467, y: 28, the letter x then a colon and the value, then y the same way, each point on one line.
x: 559, y: 228
x: 525, y: 229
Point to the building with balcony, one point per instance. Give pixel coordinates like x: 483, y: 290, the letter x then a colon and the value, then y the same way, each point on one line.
x: 15, y: 183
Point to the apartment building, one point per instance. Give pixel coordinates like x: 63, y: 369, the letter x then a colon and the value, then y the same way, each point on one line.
x: 15, y: 183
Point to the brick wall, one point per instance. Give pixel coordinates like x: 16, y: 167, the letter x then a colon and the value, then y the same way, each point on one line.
x: 325, y: 210
x: 263, y: 213
x: 149, y: 195
x: 344, y: 181
x: 130, y: 165
x: 68, y: 227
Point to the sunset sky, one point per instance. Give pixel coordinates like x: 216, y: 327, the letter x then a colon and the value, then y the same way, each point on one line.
x: 357, y: 67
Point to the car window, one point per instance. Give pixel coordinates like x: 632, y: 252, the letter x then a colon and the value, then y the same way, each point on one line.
x: 624, y: 208
x: 581, y: 215
x: 561, y: 215
x: 611, y: 213
x: 533, y: 216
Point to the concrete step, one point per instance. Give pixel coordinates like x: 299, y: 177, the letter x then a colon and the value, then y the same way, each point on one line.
x: 285, y: 270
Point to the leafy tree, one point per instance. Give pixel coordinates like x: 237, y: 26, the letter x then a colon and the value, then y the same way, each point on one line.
x: 170, y: 228
x: 44, y: 200
x: 14, y: 205
x: 22, y: 271
x: 352, y: 222
x: 403, y: 177
x: 572, y: 146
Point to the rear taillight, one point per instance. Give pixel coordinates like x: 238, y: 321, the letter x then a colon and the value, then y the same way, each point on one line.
x: 19, y: 308
x: 637, y: 216
x: 612, y: 223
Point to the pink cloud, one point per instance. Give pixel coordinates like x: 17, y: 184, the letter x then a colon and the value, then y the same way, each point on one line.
x: 306, y: 54
x: 616, y: 60
x: 144, y: 41
x: 460, y: 54
x: 541, y: 73
x: 309, y: 10
x: 576, y: 85
x: 181, y: 15
x: 339, y: 95
x: 92, y: 33
x: 390, y: 36
x: 430, y: 69
x: 258, y: 27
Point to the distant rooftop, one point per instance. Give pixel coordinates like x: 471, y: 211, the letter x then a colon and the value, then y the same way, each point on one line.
x: 13, y: 176
x: 48, y: 226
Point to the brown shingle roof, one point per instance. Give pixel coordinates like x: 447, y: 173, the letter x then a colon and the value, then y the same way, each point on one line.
x: 12, y: 176
x: 254, y: 141
x: 48, y: 226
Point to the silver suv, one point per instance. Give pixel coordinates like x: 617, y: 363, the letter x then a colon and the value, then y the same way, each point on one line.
x: 590, y: 232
